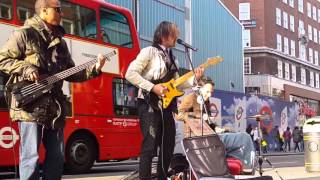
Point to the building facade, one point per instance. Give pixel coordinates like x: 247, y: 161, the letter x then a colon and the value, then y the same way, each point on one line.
x: 207, y: 25
x: 281, y: 40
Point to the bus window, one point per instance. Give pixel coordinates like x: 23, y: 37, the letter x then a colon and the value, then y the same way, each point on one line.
x: 3, y: 81
x: 25, y: 9
x: 5, y: 9
x: 115, y: 28
x: 124, y: 97
x: 78, y: 20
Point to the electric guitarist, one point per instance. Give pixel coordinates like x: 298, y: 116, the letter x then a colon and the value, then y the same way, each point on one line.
x: 155, y: 65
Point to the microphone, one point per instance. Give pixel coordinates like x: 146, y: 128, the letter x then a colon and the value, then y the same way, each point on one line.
x: 179, y: 41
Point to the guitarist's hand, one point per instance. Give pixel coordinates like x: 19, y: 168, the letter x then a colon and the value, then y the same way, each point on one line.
x: 199, y: 72
x: 159, y: 90
x: 100, y: 63
x: 34, y: 76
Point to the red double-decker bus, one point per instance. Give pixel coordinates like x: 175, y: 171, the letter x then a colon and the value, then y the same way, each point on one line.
x: 102, y: 121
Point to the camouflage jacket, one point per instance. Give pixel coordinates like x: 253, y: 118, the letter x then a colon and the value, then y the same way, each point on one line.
x: 34, y: 46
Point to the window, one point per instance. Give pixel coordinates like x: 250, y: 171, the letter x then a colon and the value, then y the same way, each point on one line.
x: 302, y: 52
x: 311, y: 79
x: 293, y: 48
x: 301, y: 27
x: 280, y: 69
x: 78, y: 20
x: 319, y: 37
x: 310, y: 59
x: 244, y: 11
x: 303, y: 76
x: 318, y: 15
x: 291, y: 3
x: 124, y: 97
x: 293, y: 73
x: 286, y: 45
x: 309, y: 10
x: 25, y: 9
x: 285, y: 1
x: 278, y: 17
x: 246, y: 38
x: 291, y: 23
x: 3, y: 80
x: 286, y: 71
x: 314, y: 13
x: 6, y: 9
x: 317, y: 80
x: 279, y: 42
x: 310, y: 32
x: 247, y: 65
x: 300, y: 6
x: 316, y: 57
x: 115, y: 28
x: 254, y: 90
x: 285, y: 20
x: 68, y: 26
x: 23, y: 13
x: 315, y: 35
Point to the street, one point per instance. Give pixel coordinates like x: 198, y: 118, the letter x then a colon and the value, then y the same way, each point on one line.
x: 116, y: 170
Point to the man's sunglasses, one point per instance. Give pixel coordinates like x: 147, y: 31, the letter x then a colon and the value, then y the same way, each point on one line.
x: 57, y: 9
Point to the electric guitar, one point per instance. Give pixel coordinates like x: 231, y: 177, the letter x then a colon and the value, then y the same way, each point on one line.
x: 172, y: 85
x: 36, y: 98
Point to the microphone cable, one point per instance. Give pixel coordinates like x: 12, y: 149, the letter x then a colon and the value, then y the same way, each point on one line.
x: 162, y: 140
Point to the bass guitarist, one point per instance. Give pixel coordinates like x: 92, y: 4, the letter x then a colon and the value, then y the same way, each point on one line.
x: 154, y: 65
x: 35, y: 49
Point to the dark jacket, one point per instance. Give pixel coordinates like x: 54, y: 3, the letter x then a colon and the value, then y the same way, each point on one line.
x: 35, y: 47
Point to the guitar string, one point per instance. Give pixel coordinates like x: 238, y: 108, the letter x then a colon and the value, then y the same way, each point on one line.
x: 52, y: 78
x: 57, y: 77
x: 29, y: 89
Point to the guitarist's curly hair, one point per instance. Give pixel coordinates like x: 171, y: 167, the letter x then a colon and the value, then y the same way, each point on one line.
x: 164, y: 30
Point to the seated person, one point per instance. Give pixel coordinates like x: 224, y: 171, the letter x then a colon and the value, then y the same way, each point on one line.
x: 238, y: 145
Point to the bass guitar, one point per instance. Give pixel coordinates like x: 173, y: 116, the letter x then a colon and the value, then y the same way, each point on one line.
x: 25, y: 92
x: 172, y: 90
x: 26, y: 95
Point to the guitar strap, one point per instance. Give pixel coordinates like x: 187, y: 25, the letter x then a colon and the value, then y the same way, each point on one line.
x: 172, y: 58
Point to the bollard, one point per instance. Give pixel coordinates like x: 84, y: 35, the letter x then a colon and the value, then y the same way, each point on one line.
x: 311, y: 137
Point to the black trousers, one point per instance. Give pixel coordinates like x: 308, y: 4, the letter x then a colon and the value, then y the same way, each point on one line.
x: 157, y: 133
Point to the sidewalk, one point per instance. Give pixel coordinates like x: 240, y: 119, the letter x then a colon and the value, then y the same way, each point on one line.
x: 287, y: 173
x: 293, y: 173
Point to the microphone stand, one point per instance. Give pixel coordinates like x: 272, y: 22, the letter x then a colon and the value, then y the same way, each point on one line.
x: 262, y: 158
x: 196, y: 89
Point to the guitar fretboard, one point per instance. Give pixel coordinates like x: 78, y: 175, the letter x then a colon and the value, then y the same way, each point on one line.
x: 205, y: 65
x: 30, y: 89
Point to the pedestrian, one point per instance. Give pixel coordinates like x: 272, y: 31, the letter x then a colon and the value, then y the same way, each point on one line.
x: 301, y: 137
x: 33, y: 50
x: 249, y: 130
x: 154, y: 65
x: 256, y: 138
x: 287, y: 139
x: 276, y: 136
x: 296, y: 138
x: 281, y: 143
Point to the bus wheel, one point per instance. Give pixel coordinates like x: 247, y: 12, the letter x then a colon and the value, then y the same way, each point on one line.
x: 80, y: 153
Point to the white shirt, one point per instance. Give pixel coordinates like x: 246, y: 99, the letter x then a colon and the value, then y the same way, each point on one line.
x: 150, y: 65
